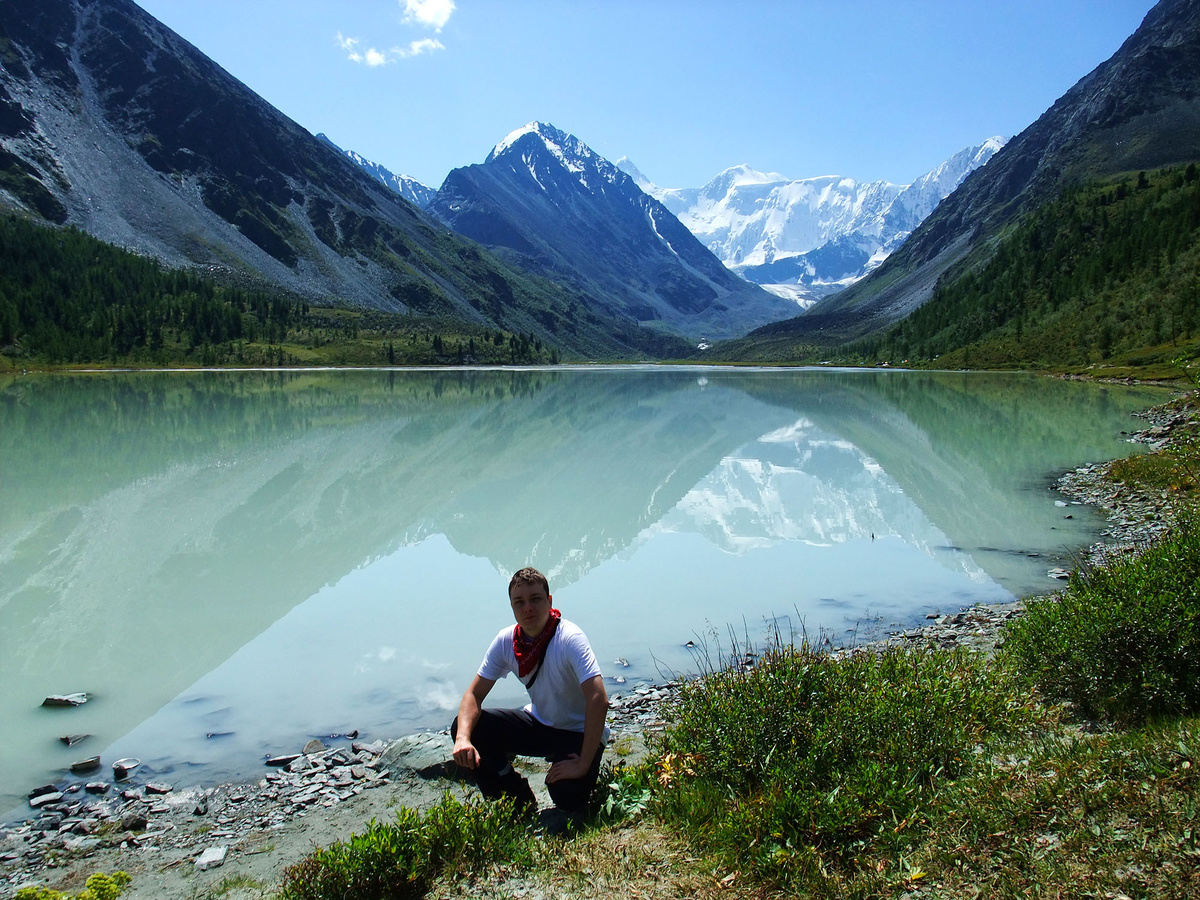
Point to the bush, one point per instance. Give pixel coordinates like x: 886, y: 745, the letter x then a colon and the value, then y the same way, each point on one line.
x: 800, y: 764
x: 402, y: 859
x: 99, y: 886
x: 1121, y: 642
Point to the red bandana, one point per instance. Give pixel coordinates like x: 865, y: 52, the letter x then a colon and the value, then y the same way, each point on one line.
x: 530, y: 651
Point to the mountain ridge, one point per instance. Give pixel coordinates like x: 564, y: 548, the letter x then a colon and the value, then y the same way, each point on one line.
x: 807, y: 238
x: 406, y: 186
x: 550, y: 203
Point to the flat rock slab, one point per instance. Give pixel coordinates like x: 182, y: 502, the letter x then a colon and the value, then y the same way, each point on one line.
x: 67, y: 699
x: 211, y: 858
x: 422, y: 753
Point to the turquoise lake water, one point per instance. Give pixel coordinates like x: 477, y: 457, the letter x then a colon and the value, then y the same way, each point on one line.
x: 232, y: 563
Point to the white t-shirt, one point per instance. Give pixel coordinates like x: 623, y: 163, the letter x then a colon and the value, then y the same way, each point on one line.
x: 556, y: 699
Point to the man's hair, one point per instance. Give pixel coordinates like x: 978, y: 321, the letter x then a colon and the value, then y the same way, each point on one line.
x: 528, y: 575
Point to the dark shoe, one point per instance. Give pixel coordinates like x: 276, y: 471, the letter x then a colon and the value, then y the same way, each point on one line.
x: 562, y: 822
x: 517, y: 789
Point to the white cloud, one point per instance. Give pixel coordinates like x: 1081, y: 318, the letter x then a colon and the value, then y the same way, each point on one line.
x: 348, y: 45
x: 416, y: 48
x: 430, y: 13
x: 373, y: 58
x: 376, y: 58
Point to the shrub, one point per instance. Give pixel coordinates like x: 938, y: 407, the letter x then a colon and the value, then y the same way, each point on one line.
x: 99, y: 886
x: 401, y: 859
x: 800, y: 764
x: 1121, y: 642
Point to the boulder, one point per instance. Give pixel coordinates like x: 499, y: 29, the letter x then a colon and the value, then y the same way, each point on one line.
x: 425, y: 754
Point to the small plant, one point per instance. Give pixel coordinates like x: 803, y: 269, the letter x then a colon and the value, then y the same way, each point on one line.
x: 401, y: 859
x: 99, y: 886
x: 236, y: 882
x: 1122, y: 642
x: 626, y: 794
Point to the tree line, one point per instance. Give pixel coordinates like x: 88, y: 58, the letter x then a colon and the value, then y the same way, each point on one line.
x: 67, y: 297
x: 1108, y: 268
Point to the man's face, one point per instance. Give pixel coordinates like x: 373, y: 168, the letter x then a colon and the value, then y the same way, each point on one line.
x: 531, y: 607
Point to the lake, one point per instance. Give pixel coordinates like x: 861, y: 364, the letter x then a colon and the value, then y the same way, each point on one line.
x: 234, y: 562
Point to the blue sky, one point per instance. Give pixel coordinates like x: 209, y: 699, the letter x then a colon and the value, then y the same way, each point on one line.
x: 872, y: 89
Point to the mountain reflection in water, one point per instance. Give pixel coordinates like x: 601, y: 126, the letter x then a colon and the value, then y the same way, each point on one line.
x: 231, y: 562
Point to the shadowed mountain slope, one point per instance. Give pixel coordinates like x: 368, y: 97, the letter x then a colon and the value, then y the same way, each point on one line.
x: 1138, y: 110
x: 112, y: 122
x: 561, y: 210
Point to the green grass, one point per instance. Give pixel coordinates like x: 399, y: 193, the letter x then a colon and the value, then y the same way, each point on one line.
x: 804, y: 769
x: 402, y: 859
x: 1073, y: 814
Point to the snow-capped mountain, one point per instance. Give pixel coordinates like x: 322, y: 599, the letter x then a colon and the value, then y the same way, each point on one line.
x: 810, y: 237
x: 409, y: 188
x: 561, y: 210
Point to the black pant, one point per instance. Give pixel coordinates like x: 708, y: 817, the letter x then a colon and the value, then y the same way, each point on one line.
x: 501, y: 733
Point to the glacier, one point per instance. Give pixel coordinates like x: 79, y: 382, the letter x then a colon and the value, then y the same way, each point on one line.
x: 810, y: 237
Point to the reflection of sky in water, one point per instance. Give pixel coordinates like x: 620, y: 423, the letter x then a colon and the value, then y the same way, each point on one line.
x: 809, y: 533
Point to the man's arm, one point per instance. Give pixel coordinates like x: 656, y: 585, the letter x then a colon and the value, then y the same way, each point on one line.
x: 596, y: 699
x: 465, y: 753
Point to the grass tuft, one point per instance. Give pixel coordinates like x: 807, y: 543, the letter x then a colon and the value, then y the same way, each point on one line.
x: 800, y: 767
x: 402, y: 859
x: 1122, y: 642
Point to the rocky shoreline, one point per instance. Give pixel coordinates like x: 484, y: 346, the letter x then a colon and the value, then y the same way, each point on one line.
x: 176, y: 842
x: 237, y: 839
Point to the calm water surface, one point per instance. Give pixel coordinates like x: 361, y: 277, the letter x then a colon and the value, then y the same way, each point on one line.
x: 234, y: 562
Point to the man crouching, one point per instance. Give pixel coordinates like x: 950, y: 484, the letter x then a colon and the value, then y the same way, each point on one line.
x: 564, y: 720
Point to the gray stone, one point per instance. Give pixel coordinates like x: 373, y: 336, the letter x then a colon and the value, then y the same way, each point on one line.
x: 211, y: 858
x: 313, y: 746
x: 81, y: 844
x: 134, y: 821
x: 77, y: 699
x: 421, y: 753
x: 42, y: 799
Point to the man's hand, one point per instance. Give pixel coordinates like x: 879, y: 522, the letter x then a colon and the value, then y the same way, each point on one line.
x: 465, y: 753
x: 565, y: 769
